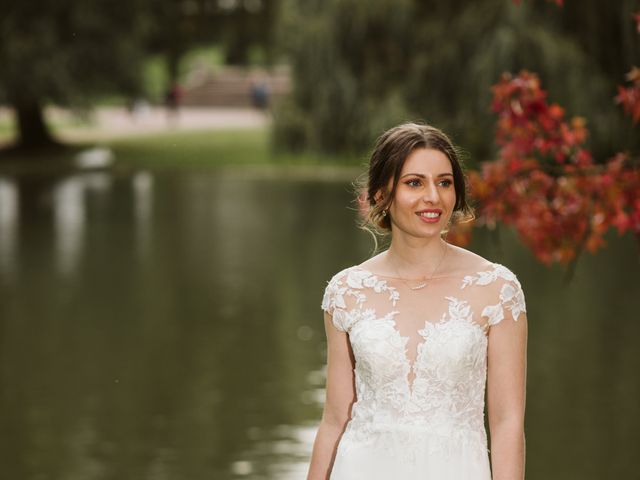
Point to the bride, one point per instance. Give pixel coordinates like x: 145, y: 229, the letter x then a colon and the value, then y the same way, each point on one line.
x: 417, y: 334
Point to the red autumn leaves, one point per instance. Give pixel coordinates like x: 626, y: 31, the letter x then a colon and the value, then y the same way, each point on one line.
x: 545, y: 183
x: 629, y: 97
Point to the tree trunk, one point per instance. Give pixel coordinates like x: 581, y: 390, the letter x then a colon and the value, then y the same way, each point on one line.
x: 238, y: 42
x: 32, y: 128
x: 173, y: 66
x: 237, y: 51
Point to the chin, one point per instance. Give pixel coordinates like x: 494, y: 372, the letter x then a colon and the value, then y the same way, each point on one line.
x: 426, y: 233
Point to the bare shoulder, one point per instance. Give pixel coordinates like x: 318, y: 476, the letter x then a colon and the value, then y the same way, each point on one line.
x: 375, y: 264
x: 464, y: 261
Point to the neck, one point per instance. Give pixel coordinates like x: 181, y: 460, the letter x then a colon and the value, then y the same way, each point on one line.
x: 414, y: 257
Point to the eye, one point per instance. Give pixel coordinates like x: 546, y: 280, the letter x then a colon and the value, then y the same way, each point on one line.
x: 446, y: 183
x: 414, y: 182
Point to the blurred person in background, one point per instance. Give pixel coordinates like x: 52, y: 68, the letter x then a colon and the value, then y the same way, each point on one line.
x: 172, y: 100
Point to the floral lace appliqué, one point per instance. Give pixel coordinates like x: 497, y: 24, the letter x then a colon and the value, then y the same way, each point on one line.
x: 511, y: 294
x: 441, y: 411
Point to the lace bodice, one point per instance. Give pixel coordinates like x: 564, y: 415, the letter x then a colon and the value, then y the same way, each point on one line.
x: 420, y: 355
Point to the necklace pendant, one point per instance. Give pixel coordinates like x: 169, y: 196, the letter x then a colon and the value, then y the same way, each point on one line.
x: 418, y: 287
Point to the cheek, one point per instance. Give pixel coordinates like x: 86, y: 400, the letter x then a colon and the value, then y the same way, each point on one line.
x: 451, y: 197
x: 402, y: 199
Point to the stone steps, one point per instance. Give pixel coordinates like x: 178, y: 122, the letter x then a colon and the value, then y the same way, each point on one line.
x: 232, y: 88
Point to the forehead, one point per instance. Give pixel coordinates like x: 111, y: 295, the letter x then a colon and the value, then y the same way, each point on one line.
x: 427, y: 160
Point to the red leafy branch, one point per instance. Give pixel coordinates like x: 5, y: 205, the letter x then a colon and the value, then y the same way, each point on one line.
x: 629, y: 97
x: 544, y: 182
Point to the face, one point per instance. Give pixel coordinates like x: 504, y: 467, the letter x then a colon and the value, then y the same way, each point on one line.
x: 425, y: 195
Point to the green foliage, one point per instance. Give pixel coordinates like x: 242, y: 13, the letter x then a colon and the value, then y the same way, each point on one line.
x: 238, y: 26
x: 339, y: 101
x: 361, y: 67
x: 155, y: 78
x: 67, y: 51
x: 74, y: 52
x: 212, y: 56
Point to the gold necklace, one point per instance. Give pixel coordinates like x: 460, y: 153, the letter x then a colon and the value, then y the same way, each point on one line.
x: 424, y: 284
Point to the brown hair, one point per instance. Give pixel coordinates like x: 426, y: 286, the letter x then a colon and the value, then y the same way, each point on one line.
x: 387, y: 159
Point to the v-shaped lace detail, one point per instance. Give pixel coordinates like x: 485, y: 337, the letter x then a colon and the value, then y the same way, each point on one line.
x: 459, y: 311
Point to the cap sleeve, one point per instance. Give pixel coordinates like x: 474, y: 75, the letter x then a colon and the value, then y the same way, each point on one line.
x: 511, y: 298
x: 333, y: 300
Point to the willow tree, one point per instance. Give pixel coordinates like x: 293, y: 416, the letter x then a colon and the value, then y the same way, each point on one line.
x: 361, y: 66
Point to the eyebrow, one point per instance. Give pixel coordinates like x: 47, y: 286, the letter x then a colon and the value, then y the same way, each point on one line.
x: 446, y: 174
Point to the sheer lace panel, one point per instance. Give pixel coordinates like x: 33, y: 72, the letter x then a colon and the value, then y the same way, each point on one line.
x: 357, y: 294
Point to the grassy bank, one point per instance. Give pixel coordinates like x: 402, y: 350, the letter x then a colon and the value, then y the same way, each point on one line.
x: 214, y: 148
x: 202, y: 149
x: 7, y: 129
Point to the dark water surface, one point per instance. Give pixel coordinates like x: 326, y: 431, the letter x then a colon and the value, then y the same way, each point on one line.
x: 168, y: 326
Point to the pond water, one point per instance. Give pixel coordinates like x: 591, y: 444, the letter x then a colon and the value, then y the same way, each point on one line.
x: 167, y: 325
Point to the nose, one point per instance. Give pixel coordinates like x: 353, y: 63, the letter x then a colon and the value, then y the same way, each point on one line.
x: 431, y: 192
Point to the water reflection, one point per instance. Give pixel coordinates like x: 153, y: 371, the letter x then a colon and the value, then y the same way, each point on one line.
x: 9, y: 206
x: 187, y: 341
x: 281, y: 453
x: 69, y: 223
x: 142, y: 184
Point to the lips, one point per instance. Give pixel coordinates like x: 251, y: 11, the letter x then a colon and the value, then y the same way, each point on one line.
x: 430, y: 215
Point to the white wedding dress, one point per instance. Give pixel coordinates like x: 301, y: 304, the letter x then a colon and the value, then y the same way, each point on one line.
x: 420, y: 371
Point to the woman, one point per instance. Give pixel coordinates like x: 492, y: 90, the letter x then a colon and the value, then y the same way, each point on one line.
x: 418, y: 333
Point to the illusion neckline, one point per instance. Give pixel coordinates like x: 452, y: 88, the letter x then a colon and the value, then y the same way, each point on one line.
x: 492, y: 265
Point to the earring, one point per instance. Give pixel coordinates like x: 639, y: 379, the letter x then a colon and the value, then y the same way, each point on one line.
x: 384, y: 213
